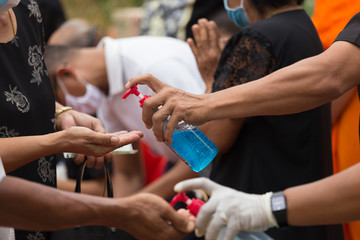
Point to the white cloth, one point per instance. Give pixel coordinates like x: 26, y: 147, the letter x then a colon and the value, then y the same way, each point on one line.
x: 5, y: 233
x: 168, y: 59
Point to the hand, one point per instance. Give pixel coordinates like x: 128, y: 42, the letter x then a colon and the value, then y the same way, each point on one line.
x: 227, y: 207
x: 94, y: 144
x: 179, y: 104
x: 207, y: 50
x: 149, y: 217
x: 73, y: 118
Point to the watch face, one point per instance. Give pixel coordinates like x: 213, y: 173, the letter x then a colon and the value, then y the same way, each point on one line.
x: 278, y: 203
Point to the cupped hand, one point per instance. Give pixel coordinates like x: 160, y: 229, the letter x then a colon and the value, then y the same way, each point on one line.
x: 95, y: 145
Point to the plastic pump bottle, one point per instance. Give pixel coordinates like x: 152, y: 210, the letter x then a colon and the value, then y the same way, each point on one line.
x: 189, y: 143
x: 194, y: 205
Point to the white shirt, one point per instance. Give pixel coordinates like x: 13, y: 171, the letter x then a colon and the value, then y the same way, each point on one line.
x: 5, y: 233
x: 168, y: 59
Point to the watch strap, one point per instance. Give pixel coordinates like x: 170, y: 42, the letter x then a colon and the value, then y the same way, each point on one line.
x: 279, y: 208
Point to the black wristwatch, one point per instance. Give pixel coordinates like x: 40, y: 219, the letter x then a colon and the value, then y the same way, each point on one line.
x: 278, y: 208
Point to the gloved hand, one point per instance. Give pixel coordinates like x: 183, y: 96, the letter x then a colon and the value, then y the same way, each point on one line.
x: 227, y: 207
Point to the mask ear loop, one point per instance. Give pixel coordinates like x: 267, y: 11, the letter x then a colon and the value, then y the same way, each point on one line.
x: 61, y: 85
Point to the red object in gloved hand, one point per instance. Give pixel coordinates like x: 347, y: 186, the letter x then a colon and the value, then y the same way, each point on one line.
x: 193, y: 205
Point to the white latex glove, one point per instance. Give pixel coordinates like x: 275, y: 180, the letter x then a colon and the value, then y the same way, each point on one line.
x: 227, y: 207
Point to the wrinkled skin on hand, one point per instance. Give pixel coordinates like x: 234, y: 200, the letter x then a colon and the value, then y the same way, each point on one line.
x: 178, y: 104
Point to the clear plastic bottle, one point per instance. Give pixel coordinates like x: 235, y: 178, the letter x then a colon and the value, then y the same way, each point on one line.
x: 189, y: 143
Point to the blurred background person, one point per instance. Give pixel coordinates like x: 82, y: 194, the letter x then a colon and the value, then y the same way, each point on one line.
x: 175, y: 18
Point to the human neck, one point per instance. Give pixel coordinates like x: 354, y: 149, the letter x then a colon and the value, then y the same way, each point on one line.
x: 92, y: 62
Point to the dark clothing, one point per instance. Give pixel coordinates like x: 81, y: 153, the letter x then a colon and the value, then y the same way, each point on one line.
x: 351, y: 34
x: 53, y: 15
x: 202, y: 9
x: 27, y: 103
x: 272, y: 153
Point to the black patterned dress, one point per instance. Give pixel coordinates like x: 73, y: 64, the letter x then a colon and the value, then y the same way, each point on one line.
x: 27, y: 103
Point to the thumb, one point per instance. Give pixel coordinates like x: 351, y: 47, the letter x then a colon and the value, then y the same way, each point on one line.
x: 182, y: 222
x: 197, y: 183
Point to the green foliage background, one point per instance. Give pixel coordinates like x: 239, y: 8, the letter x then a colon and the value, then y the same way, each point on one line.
x: 99, y: 11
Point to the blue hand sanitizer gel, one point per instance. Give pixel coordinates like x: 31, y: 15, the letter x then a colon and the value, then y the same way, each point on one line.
x: 189, y: 143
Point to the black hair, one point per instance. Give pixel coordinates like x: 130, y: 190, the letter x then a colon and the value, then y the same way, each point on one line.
x: 54, y: 56
x: 261, y: 5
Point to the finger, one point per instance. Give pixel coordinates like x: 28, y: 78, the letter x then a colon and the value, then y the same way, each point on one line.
x: 150, y: 106
x: 216, y: 224
x: 170, y: 127
x: 231, y: 230
x: 197, y: 183
x: 90, y: 162
x: 80, y: 158
x: 192, y: 46
x: 159, y: 120
x: 202, y: 41
x: 214, y: 35
x: 155, y: 84
x: 97, y: 125
x: 99, y: 162
x: 128, y: 138
x: 196, y: 33
x: 205, y: 215
x: 181, y: 222
x: 108, y: 157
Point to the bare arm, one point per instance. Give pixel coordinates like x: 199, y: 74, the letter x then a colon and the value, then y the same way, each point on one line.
x: 20, y: 208
x: 299, y: 87
x: 18, y: 151
x: 329, y: 201
x: 339, y: 105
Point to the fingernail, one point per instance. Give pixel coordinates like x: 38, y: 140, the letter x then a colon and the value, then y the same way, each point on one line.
x: 114, y: 139
x: 127, y: 85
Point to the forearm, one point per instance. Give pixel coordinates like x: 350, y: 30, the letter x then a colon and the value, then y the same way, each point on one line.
x: 299, y: 87
x: 163, y: 186
x: 329, y: 201
x: 18, y: 151
x: 22, y: 201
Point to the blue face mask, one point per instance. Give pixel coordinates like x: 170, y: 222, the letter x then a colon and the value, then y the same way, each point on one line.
x: 5, y: 5
x: 237, y: 15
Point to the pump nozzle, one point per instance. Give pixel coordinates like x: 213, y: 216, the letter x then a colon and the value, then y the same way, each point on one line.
x: 134, y: 90
x: 193, y: 205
